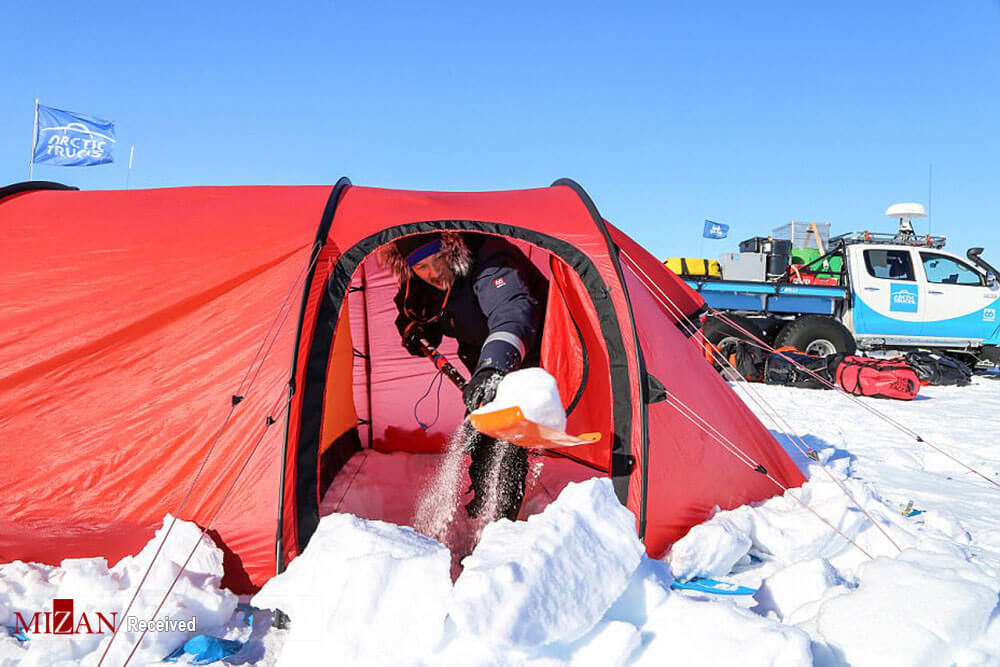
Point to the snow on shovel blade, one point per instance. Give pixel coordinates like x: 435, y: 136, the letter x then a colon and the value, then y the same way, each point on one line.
x: 510, y: 425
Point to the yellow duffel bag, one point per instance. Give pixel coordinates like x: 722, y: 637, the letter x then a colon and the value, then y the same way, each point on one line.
x: 694, y: 266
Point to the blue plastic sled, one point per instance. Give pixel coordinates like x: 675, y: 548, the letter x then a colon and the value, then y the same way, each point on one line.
x: 205, y: 649
x: 705, y: 585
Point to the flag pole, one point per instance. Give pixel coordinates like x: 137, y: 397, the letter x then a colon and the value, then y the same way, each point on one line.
x: 128, y: 176
x: 34, y: 140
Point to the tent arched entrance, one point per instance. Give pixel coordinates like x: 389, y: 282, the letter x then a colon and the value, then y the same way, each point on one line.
x: 586, y: 280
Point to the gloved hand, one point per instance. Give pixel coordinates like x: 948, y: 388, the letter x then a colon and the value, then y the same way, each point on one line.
x: 415, y: 333
x: 481, y: 388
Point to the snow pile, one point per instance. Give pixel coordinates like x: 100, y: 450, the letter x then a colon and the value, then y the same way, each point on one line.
x: 796, y: 589
x: 535, y: 392
x: 692, y: 632
x: 801, y: 524
x: 919, y: 604
x: 30, y: 588
x: 712, y: 548
x: 363, y: 592
x: 568, y: 586
x: 534, y: 596
x: 516, y: 584
x: 947, y: 604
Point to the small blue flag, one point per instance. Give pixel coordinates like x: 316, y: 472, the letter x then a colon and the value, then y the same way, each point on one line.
x: 67, y: 139
x: 715, y: 230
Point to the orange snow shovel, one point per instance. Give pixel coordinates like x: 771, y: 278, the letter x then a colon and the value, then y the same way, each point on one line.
x: 509, y: 424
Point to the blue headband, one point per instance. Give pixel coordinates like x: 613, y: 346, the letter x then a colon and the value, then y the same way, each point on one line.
x: 423, y: 252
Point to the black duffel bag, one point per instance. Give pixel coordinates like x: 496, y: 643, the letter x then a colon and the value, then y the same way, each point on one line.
x: 937, y: 369
x: 748, y: 360
x: 783, y: 367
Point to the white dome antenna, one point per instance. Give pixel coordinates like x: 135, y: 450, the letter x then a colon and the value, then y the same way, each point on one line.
x: 905, y: 214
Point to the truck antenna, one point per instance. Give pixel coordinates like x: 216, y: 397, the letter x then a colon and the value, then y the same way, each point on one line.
x: 930, y: 182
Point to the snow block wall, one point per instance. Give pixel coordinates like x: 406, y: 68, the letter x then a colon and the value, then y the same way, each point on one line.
x: 364, y: 592
x: 552, y: 577
x: 570, y: 585
x: 94, y: 587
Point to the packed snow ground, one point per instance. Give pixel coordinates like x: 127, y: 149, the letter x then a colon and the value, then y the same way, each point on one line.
x: 570, y: 585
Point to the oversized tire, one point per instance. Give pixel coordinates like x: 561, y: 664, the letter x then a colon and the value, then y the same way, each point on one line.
x: 724, y: 336
x: 816, y: 334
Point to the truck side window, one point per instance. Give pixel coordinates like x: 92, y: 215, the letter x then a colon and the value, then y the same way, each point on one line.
x: 889, y: 264
x: 943, y: 269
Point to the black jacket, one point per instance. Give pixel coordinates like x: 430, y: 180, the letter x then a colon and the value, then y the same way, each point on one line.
x: 495, y: 312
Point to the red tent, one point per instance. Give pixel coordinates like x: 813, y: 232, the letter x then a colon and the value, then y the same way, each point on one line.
x: 155, y: 337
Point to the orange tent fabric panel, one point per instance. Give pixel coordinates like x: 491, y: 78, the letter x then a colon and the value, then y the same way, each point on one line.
x: 573, y: 350
x: 339, y: 413
x: 130, y: 319
x: 688, y: 470
x: 683, y: 301
x: 563, y: 353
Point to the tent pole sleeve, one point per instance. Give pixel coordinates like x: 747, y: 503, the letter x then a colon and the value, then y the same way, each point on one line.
x: 368, y: 357
x: 321, y: 233
x: 620, y: 477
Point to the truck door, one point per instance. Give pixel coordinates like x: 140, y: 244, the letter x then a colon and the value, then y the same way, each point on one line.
x: 959, y: 302
x: 886, y: 296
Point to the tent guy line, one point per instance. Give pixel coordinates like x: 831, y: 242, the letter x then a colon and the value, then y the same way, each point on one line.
x: 697, y: 336
x: 692, y: 416
x: 313, y: 256
x: 772, y: 412
x: 758, y: 343
x: 269, y: 421
x: 237, y: 398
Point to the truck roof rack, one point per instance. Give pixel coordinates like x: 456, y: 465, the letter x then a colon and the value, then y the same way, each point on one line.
x: 899, y: 238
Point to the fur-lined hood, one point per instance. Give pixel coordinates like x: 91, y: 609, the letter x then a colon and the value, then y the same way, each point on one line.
x: 453, y: 247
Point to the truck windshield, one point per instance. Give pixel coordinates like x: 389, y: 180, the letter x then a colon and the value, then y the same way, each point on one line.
x: 944, y: 269
x: 889, y: 264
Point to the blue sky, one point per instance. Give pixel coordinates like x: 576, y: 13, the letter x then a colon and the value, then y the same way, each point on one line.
x: 750, y: 114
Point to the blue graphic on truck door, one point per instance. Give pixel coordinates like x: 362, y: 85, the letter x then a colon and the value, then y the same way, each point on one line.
x: 960, y: 302
x: 903, y: 298
x: 888, y: 300
x: 977, y: 324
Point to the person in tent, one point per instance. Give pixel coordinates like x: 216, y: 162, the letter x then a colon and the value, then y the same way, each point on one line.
x: 485, y: 293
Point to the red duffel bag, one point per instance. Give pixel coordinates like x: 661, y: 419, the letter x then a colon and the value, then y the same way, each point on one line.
x: 881, y: 378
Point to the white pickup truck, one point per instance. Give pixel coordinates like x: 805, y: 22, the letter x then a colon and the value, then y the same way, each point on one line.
x: 894, y: 292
